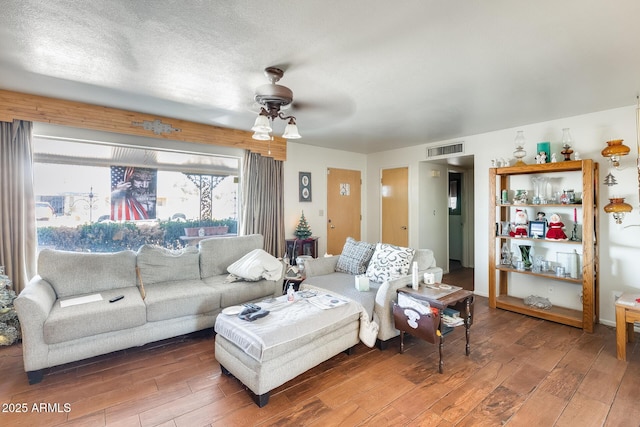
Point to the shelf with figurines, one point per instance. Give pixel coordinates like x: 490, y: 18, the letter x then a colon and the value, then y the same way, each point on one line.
x: 536, y: 214
x: 539, y: 229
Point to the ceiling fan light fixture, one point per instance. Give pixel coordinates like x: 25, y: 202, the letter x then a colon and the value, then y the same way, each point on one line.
x: 261, y: 136
x: 262, y: 124
x: 273, y: 97
x: 291, y: 130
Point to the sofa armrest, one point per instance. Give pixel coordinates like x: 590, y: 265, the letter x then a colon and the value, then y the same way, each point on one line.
x: 33, y: 306
x: 320, y: 266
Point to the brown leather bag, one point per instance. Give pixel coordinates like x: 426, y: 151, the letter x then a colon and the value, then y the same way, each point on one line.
x: 424, y: 326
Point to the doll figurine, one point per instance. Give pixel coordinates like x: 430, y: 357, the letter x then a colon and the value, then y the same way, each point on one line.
x: 555, y: 231
x: 522, y: 225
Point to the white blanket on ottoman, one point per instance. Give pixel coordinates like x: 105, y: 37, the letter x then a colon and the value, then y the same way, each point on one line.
x: 368, y: 328
x: 287, y: 324
x: 290, y: 323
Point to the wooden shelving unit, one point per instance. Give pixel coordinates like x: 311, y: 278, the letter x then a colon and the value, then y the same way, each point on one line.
x: 501, y: 276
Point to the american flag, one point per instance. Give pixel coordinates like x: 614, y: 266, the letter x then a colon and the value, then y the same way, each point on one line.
x: 124, y: 205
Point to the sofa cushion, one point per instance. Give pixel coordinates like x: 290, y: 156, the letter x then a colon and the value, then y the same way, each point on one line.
x: 236, y: 293
x: 78, y: 273
x: 389, y: 262
x: 355, y: 257
x: 93, y: 318
x: 424, y: 258
x: 169, y: 300
x: 218, y: 253
x: 159, y: 264
x: 343, y: 284
x: 256, y: 265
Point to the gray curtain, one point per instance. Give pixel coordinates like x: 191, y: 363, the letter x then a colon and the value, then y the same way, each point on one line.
x: 263, y: 201
x: 18, y: 241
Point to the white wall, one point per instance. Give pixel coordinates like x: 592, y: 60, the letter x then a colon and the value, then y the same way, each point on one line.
x: 619, y: 247
x: 307, y: 158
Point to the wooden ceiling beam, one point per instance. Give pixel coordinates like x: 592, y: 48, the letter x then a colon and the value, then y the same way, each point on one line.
x: 22, y: 106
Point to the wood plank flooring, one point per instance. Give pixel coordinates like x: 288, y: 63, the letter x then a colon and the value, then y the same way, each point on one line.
x: 522, y: 371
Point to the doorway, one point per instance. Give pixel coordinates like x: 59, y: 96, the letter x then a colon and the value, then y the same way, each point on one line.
x: 455, y: 220
x: 461, y: 223
x: 445, y: 201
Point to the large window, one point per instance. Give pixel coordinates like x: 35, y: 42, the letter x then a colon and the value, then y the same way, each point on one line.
x: 81, y: 189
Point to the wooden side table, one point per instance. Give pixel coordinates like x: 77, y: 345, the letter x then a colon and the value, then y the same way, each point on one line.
x: 461, y: 300
x: 626, y: 315
x: 297, y: 247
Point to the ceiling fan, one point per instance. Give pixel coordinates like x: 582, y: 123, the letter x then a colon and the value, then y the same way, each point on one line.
x: 273, y: 98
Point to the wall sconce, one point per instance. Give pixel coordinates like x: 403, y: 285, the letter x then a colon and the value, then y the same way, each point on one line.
x: 614, y: 150
x: 618, y: 208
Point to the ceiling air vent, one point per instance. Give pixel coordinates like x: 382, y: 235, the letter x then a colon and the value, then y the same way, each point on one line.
x: 445, y: 150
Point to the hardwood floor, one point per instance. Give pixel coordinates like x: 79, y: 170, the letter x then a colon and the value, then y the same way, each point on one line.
x: 522, y: 371
x: 459, y: 276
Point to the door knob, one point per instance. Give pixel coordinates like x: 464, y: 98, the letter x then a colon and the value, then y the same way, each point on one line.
x: 404, y: 227
x: 332, y: 226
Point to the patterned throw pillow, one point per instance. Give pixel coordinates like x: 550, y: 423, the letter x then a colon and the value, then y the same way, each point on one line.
x: 389, y: 262
x: 354, y: 257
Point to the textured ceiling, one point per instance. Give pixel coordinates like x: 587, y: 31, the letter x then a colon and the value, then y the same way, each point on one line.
x: 367, y: 75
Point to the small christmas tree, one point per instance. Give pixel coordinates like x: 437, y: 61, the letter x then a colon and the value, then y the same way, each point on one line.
x: 302, y: 230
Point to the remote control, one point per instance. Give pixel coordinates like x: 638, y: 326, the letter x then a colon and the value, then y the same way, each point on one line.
x: 249, y: 309
x: 257, y: 315
x: 118, y: 298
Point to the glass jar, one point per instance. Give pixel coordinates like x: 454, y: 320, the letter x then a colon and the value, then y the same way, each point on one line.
x: 506, y: 254
x: 540, y: 184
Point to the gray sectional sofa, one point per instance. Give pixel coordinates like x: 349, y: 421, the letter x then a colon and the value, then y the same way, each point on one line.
x: 183, y: 293
x: 337, y: 274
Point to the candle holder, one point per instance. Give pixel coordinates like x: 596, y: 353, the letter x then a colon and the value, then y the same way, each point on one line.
x: 574, y: 234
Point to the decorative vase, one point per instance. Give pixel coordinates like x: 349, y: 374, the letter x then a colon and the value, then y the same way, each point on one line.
x: 506, y: 255
x: 525, y: 252
x: 540, y: 184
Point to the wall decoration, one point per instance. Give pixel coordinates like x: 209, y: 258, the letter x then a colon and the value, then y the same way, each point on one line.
x: 345, y: 189
x: 305, y: 186
x: 133, y: 193
x: 156, y: 126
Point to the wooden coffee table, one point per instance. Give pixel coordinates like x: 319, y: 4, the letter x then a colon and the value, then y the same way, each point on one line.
x: 460, y: 300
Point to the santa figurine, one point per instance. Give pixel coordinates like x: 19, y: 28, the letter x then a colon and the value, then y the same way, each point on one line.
x: 555, y: 228
x: 521, y: 228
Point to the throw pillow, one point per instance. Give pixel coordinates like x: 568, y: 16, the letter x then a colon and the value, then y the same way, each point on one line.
x: 389, y: 262
x: 355, y: 257
x: 257, y: 264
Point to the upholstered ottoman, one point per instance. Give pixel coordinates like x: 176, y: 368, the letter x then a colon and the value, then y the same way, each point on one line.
x: 293, y: 338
